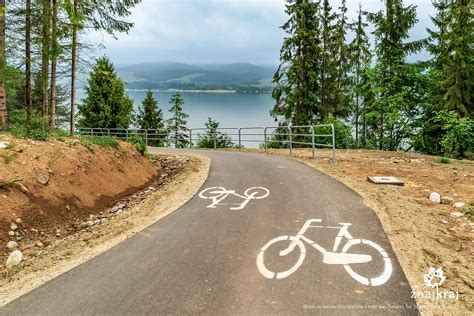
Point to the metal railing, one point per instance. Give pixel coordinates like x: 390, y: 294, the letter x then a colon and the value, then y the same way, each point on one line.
x: 291, y: 137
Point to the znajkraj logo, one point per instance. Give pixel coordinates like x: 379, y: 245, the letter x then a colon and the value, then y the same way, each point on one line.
x: 433, y: 279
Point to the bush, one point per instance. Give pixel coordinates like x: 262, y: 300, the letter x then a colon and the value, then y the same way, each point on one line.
x: 138, y: 142
x: 342, y: 133
x: 458, y: 141
x: 22, y: 128
x: 213, y: 137
x: 444, y: 160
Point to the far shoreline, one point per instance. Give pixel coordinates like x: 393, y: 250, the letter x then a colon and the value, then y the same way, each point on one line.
x: 217, y: 91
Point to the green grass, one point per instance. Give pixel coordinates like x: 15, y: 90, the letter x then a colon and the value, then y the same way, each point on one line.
x: 444, y: 160
x: 469, y: 212
x: 7, y: 185
x: 9, y: 157
x: 101, y: 141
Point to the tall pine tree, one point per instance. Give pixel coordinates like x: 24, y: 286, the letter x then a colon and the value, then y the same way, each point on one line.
x: 394, y: 80
x: 361, y: 58
x: 296, y: 91
x: 150, y: 117
x: 177, y: 123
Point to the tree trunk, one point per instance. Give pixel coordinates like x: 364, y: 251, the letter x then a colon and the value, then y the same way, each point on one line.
x: 45, y: 58
x: 54, y: 58
x: 3, y: 95
x: 28, y: 97
x: 73, y: 71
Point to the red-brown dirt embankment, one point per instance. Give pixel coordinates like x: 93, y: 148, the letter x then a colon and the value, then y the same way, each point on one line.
x: 46, y: 188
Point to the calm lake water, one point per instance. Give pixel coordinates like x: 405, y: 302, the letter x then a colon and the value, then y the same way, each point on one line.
x: 229, y: 109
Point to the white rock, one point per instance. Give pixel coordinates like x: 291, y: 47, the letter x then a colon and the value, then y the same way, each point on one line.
x: 435, y: 197
x: 4, y: 145
x: 457, y: 214
x: 14, y: 258
x: 11, y: 233
x: 12, y: 245
x: 459, y: 205
x: 13, y: 227
x: 18, y: 220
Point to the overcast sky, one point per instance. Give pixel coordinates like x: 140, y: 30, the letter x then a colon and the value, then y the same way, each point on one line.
x: 207, y: 31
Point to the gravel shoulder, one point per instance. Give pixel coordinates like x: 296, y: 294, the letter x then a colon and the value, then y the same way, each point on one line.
x: 422, y: 233
x: 129, y: 217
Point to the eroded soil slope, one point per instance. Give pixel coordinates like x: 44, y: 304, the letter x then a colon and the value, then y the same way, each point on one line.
x: 48, y: 187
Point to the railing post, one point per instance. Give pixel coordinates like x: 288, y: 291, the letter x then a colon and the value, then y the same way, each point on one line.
x: 312, y: 140
x: 108, y: 132
x: 333, y: 144
x: 215, y: 140
x: 291, y: 140
x: 146, y: 138
x: 240, y: 139
x: 265, y: 139
x: 126, y: 134
x: 191, y: 138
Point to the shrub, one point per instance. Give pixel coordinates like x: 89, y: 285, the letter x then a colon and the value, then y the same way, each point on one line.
x: 138, y: 142
x: 444, y: 160
x: 22, y: 128
x: 102, y: 141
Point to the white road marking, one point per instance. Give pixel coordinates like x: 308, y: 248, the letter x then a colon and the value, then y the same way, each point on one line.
x: 218, y: 194
x: 334, y: 257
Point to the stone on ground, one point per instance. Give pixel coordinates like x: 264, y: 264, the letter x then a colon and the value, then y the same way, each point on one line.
x: 435, y: 197
x: 14, y: 259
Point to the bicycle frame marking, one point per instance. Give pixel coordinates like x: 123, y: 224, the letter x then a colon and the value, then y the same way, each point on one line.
x: 334, y: 257
x: 218, y: 194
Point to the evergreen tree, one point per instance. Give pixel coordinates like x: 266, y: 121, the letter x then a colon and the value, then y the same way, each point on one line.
x: 297, y: 85
x: 3, y: 95
x: 213, y: 137
x: 150, y: 117
x: 343, y: 65
x: 360, y: 59
x: 106, y: 104
x: 328, y: 61
x: 455, y: 55
x: 396, y: 82
x: 177, y: 123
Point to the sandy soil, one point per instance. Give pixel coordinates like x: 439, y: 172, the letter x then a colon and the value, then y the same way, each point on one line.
x: 423, y: 234
x: 181, y: 178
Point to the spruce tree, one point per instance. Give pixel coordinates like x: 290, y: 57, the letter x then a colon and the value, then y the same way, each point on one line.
x: 213, y: 137
x: 328, y: 61
x: 343, y: 59
x: 456, y: 57
x: 395, y: 81
x: 296, y: 91
x: 360, y: 59
x: 150, y: 117
x: 106, y: 104
x: 177, y: 123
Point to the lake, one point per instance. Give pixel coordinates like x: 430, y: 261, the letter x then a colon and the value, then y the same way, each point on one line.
x: 229, y: 109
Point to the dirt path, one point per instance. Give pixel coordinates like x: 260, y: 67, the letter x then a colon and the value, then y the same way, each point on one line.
x: 100, y: 236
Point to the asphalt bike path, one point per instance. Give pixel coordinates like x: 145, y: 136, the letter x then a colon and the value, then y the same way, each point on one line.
x: 265, y: 235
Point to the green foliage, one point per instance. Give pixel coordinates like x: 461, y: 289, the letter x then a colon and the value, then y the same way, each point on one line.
x: 106, y: 104
x: 444, y: 160
x: 342, y: 133
x: 458, y: 140
x: 139, y: 143
x: 213, y: 137
x: 176, y: 125
x: 150, y: 116
x: 102, y: 141
x: 9, y: 156
x: 297, y: 76
x: 22, y: 128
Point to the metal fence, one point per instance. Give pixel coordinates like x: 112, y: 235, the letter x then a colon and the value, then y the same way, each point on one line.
x: 309, y: 136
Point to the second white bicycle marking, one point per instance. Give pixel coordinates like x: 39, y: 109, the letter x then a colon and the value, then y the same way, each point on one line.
x: 333, y: 257
x: 218, y: 194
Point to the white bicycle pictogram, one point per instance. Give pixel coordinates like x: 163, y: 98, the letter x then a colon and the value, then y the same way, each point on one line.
x: 219, y: 194
x: 342, y: 257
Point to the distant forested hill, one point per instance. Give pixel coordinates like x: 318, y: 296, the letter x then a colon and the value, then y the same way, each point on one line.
x: 172, y: 75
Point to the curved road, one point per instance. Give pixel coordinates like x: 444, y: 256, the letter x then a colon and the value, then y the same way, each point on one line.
x: 201, y: 260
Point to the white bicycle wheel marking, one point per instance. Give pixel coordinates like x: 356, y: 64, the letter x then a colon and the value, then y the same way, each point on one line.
x: 334, y: 257
x: 218, y: 194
